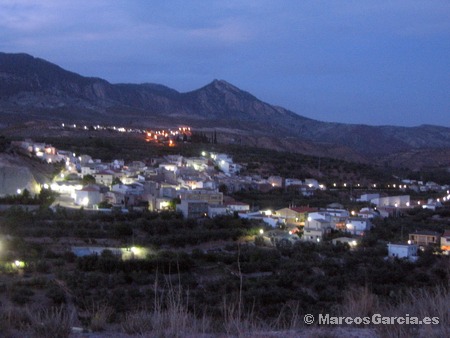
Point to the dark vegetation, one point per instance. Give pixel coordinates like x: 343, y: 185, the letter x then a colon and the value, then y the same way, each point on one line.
x: 308, y: 275
x: 45, y: 198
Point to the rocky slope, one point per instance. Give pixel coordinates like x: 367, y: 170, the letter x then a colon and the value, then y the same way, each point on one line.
x: 20, y: 171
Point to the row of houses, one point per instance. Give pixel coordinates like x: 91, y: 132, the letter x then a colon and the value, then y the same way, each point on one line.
x: 420, y: 240
x: 195, y: 183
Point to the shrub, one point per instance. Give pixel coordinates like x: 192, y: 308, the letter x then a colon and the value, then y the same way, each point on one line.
x: 57, y: 295
x: 100, y: 315
x: 21, y: 295
x: 139, y: 322
x: 43, y: 267
x: 12, y: 317
x: 55, y: 322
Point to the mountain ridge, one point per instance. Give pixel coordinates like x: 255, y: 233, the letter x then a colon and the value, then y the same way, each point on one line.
x: 34, y: 88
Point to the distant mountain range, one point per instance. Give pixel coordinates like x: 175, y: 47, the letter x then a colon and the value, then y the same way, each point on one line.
x: 35, y: 89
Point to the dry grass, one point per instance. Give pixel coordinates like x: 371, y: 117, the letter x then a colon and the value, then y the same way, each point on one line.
x: 418, y: 303
x: 17, y: 321
x: 99, y: 316
x: 14, y: 319
x: 237, y: 322
x: 56, y: 322
x: 359, y: 302
x: 170, y: 317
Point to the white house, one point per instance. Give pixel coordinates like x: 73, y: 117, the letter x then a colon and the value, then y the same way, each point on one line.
x: 117, y: 164
x: 367, y: 213
x: 357, y: 226
x: 216, y: 210
x: 177, y: 160
x: 129, y: 189
x: 88, y: 196
x: 275, y: 181
x: 197, y: 163
x: 352, y: 242
x: 312, y: 183
x: 162, y: 203
x: 407, y: 251
x: 312, y: 235
x: 225, y: 163
x: 272, y: 221
x: 432, y: 204
x: 237, y: 206
x: 402, y: 201
x: 367, y: 197
x: 169, y: 167
x: 293, y: 181
x: 88, y: 170
x: 104, y: 177
x: 335, y: 212
x: 316, y: 225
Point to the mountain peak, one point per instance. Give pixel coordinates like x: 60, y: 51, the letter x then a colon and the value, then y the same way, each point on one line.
x: 223, y: 85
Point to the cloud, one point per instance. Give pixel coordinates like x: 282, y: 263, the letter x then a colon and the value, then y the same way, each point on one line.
x: 329, y: 49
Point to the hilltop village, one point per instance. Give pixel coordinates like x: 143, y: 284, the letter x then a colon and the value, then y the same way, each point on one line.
x: 200, y: 187
x: 112, y: 245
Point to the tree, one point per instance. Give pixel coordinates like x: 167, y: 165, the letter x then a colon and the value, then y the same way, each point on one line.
x: 46, y: 197
x: 116, y: 180
x: 104, y: 205
x: 88, y: 179
x: 223, y: 188
x: 173, y: 203
x: 26, y: 196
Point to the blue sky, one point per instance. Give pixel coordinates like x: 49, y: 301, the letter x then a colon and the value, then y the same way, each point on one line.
x: 371, y: 62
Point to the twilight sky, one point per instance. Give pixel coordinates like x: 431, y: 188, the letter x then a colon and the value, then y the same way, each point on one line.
x: 372, y: 62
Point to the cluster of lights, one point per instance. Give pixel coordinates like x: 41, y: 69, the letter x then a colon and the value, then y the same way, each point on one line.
x: 374, y: 185
x: 446, y: 198
x: 99, y: 127
x: 164, y: 135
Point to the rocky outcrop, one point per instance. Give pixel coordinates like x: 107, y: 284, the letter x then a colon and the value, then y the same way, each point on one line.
x: 17, y: 171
